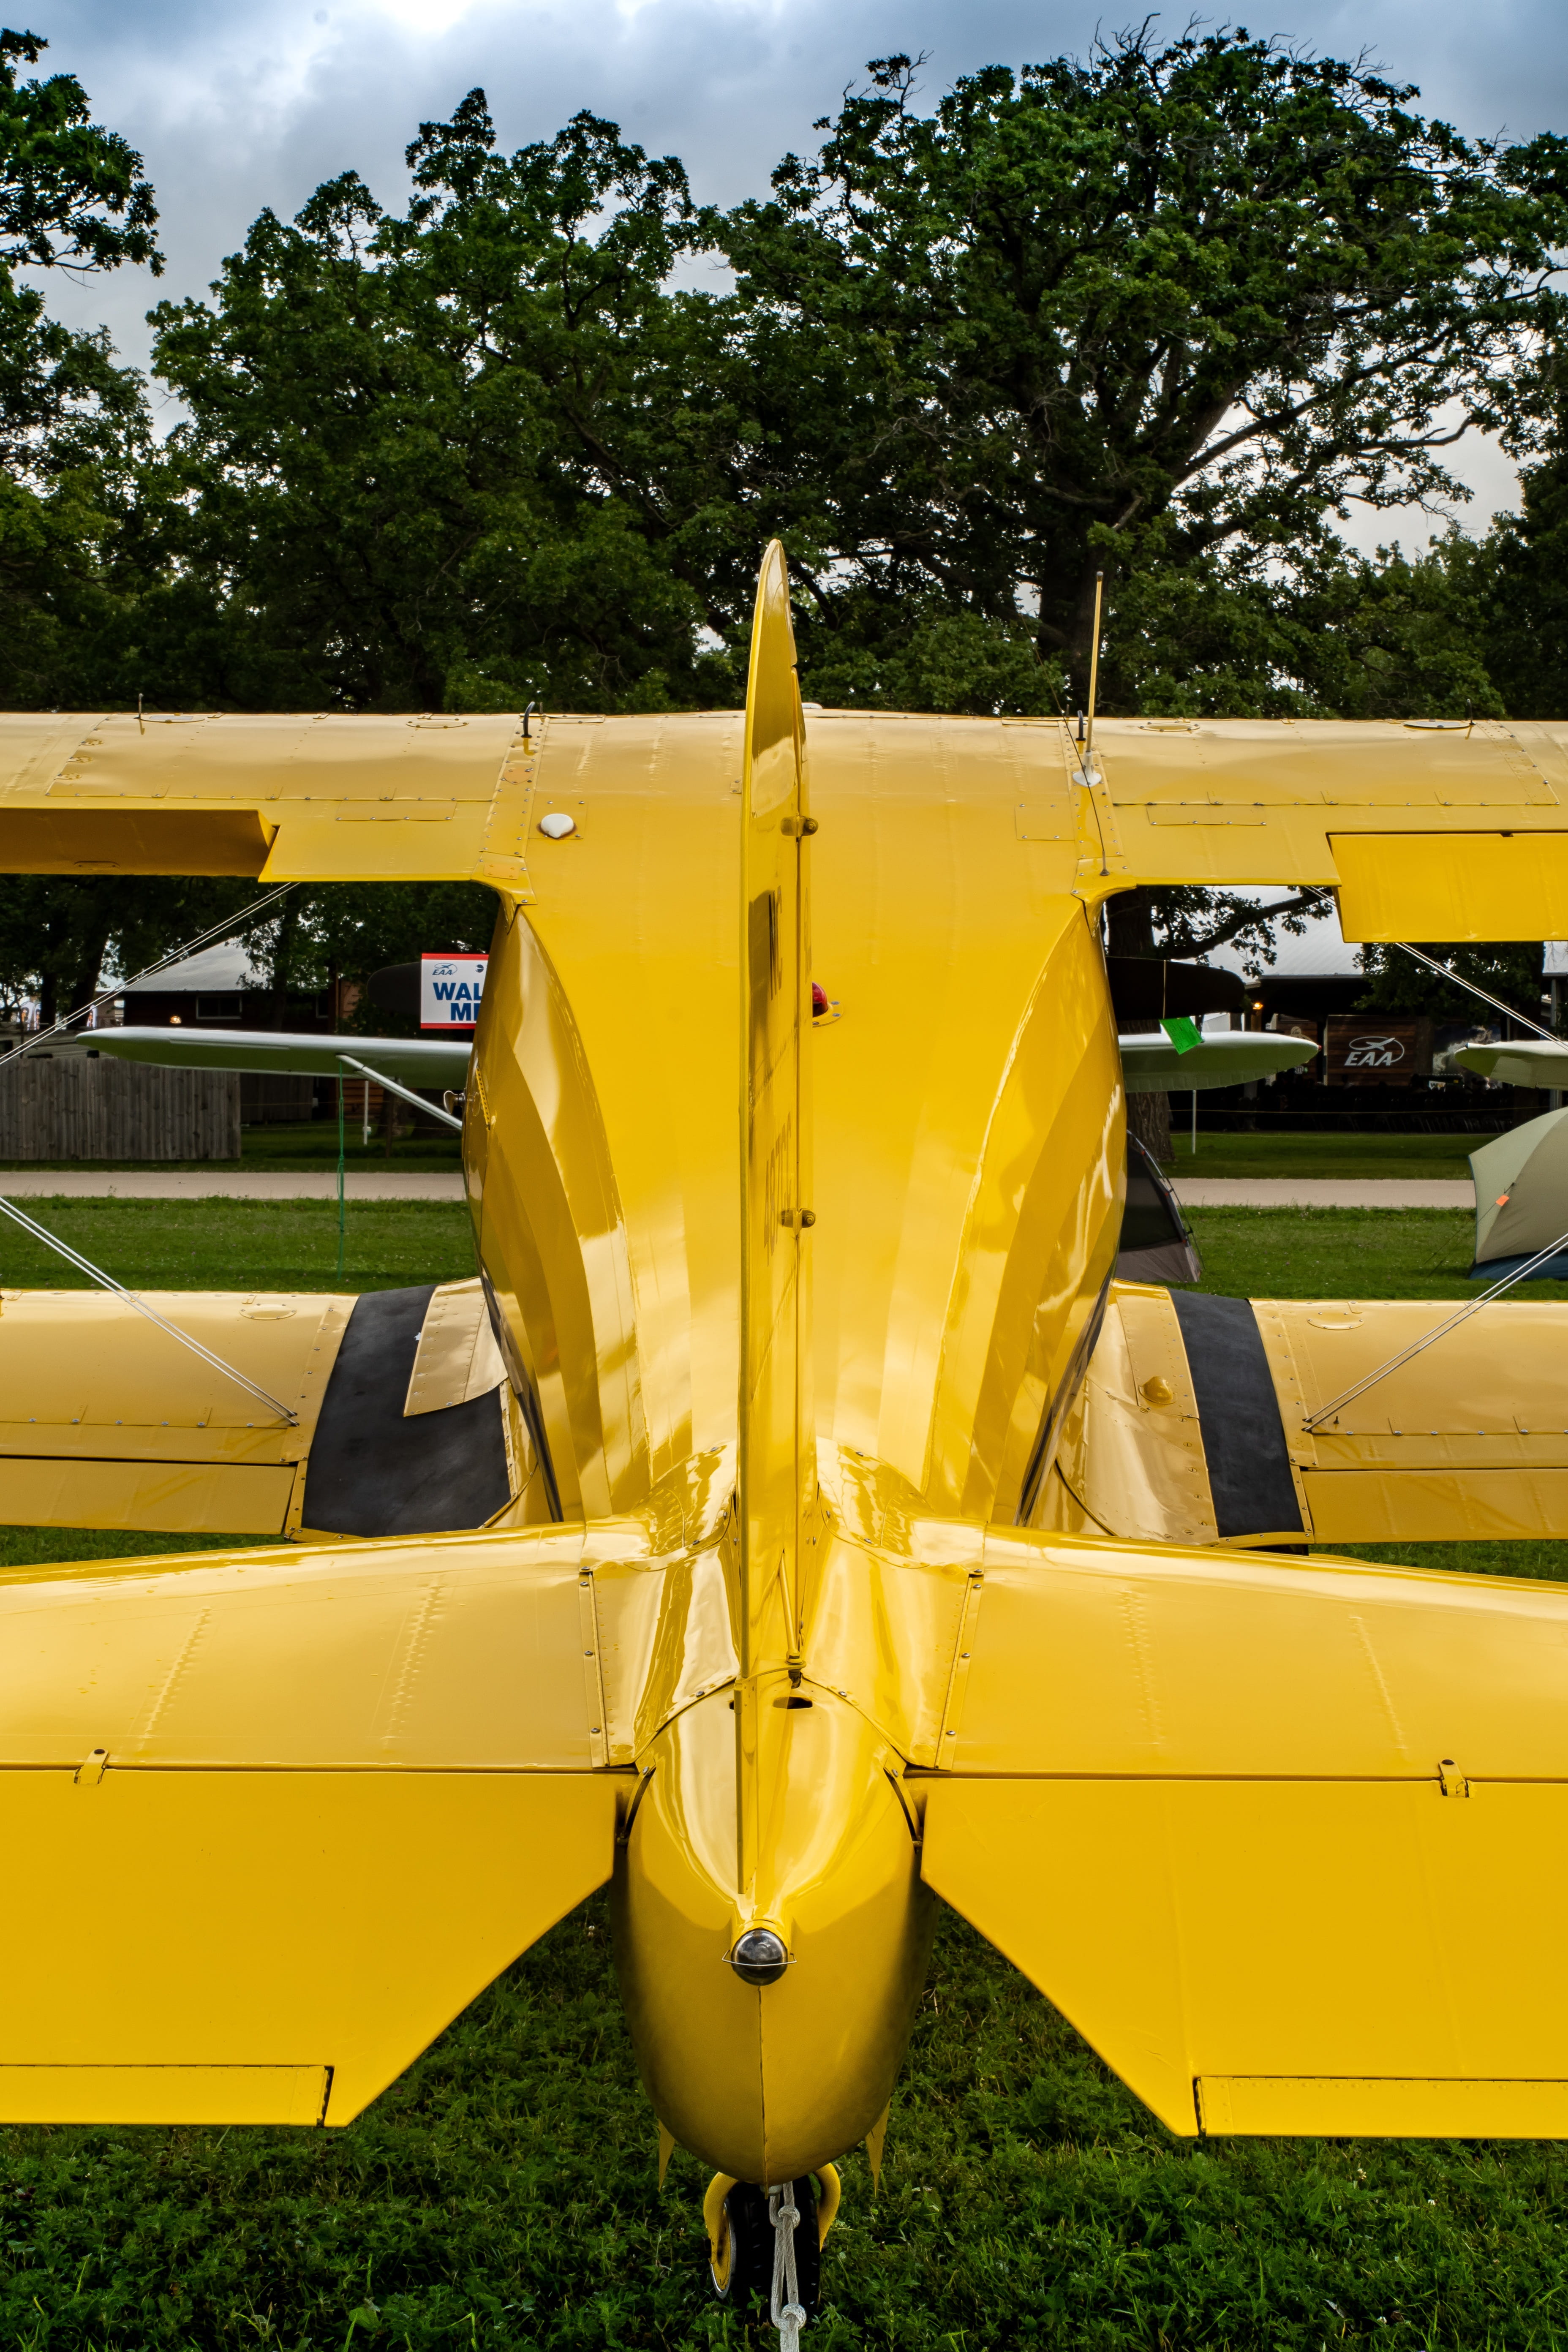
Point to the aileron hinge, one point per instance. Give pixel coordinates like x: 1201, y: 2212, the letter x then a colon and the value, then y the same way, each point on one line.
x: 1454, y: 1783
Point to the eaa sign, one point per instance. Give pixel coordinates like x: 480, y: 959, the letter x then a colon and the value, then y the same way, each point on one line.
x: 450, y: 987
x: 1366, y: 1052
x: 1384, y: 1052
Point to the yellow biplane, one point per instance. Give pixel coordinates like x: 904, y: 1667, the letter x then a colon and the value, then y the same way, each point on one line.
x: 795, y: 1523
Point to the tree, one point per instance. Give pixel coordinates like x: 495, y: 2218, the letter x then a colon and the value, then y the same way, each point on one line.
x: 437, y: 460
x: 72, y: 422
x: 1509, y: 969
x: 1161, y: 314
x: 1519, y: 574
x: 1169, y: 310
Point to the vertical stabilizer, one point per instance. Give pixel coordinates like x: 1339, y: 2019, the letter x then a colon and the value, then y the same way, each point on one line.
x: 777, y: 1474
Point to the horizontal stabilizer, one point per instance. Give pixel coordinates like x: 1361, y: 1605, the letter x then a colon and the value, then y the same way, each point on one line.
x: 316, y: 1801
x: 1270, y: 1833
x: 417, y: 1061
x: 1234, y: 1057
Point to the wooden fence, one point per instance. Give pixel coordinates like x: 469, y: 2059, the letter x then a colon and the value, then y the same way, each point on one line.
x: 274, y: 1098
x: 98, y: 1109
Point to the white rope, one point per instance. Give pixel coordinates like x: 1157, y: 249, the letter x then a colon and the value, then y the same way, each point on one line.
x: 788, y: 2316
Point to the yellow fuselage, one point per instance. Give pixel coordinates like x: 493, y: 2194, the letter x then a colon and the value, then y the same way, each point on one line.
x: 967, y: 1185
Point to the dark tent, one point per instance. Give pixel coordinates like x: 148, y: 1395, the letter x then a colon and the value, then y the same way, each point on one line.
x: 1156, y: 1243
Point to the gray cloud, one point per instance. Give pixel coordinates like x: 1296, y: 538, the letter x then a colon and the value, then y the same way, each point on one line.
x: 237, y: 109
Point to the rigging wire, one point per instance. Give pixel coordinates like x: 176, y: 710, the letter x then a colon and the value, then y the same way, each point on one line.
x: 223, y: 931
x: 1495, y: 1002
x: 1314, y: 1420
x: 107, y: 1282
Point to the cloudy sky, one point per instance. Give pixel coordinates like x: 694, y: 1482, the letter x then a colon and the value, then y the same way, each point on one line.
x: 235, y: 106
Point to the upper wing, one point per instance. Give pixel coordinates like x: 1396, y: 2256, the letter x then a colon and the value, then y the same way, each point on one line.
x: 324, y: 797
x: 273, y: 1819
x: 1436, y: 830
x: 1426, y: 829
x: 1284, y: 1841
x: 312, y: 796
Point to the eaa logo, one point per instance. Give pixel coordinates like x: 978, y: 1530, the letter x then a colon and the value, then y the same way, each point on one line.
x: 1374, y: 1053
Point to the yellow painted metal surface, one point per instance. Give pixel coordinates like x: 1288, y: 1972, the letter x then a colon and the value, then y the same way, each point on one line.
x: 1470, y: 1439
x: 427, y: 1654
x: 775, y: 1454
x: 1464, y: 886
x: 456, y: 1357
x: 159, y: 1497
x: 1131, y: 1461
x: 898, y: 1519
x: 107, y: 1421
x: 178, y: 2094
x: 250, y: 1927
x: 758, y: 2079
x: 1302, y: 1896
x: 1467, y: 1441
x: 230, y: 1759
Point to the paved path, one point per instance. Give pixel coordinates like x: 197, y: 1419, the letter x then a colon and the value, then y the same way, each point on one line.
x: 1321, y: 1193
x: 198, y: 1184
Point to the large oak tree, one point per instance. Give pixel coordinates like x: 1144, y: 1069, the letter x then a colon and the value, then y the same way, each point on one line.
x: 1164, y: 313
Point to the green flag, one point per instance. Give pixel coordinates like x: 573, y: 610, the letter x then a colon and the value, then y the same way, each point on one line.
x: 1183, y: 1033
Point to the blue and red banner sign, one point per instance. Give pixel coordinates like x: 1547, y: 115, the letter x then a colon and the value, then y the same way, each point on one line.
x: 450, y: 987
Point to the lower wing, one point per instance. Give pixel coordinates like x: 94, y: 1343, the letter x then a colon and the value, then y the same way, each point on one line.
x: 1208, y: 1420
x: 1284, y: 1841
x: 416, y: 1061
x: 403, y: 1423
x: 272, y: 1819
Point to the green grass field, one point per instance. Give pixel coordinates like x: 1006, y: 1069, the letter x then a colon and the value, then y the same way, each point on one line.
x: 219, y: 1245
x: 505, y: 2193
x: 1352, y: 1156
x: 302, y: 1145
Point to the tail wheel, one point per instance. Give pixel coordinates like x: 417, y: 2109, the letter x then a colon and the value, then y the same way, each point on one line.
x: 741, y: 2244
x: 741, y: 2260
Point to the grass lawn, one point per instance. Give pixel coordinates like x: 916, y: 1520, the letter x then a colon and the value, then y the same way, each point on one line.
x: 220, y: 1244
x: 314, y: 1143
x: 1304, y: 1252
x: 505, y: 2193
x: 1341, y: 1156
